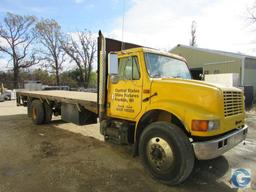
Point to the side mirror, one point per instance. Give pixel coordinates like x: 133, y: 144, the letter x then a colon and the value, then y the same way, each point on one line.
x: 112, y: 64
x: 113, y: 67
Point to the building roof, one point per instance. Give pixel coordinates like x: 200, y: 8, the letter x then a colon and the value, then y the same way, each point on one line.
x: 225, y: 53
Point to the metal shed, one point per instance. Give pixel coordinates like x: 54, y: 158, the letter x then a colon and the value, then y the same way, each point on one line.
x: 207, y: 61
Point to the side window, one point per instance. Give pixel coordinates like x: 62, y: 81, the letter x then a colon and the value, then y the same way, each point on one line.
x: 135, y: 69
x: 128, y: 68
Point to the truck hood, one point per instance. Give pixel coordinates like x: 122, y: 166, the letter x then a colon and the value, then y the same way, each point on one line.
x: 197, y: 83
x: 196, y: 99
x: 188, y: 92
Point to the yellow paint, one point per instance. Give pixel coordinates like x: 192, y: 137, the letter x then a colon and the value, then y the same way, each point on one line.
x: 186, y: 99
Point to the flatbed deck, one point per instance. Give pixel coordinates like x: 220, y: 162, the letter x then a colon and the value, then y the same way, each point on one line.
x: 85, y: 99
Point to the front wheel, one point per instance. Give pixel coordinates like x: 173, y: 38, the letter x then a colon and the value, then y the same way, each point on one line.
x: 166, y: 152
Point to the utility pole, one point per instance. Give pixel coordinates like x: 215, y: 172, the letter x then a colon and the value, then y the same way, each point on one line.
x: 193, y: 34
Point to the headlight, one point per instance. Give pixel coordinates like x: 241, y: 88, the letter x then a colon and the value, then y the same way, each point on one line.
x: 212, y: 125
x: 204, y: 125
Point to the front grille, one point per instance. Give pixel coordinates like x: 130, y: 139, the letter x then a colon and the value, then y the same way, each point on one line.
x: 233, y: 103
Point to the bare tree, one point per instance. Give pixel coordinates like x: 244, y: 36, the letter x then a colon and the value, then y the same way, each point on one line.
x: 252, y: 12
x: 48, y: 32
x: 193, y: 34
x: 81, y: 48
x: 16, y: 39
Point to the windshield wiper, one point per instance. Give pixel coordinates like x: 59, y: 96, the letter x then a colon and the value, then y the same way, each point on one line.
x: 156, y: 76
x: 159, y: 76
x: 171, y: 77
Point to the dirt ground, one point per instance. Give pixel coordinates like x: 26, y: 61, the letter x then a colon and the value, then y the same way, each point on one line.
x: 63, y: 157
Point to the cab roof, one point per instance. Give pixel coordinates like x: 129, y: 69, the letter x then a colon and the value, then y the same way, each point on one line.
x: 150, y: 50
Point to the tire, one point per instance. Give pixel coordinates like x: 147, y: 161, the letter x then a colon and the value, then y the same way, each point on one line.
x: 29, y: 108
x: 37, y: 110
x: 166, y: 152
x: 47, y: 113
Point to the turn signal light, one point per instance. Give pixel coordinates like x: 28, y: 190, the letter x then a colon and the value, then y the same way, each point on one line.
x: 199, y: 125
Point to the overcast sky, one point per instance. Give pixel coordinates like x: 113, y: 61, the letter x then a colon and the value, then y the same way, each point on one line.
x: 221, y: 24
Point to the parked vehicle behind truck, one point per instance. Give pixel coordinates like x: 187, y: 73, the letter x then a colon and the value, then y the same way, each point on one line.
x: 146, y: 98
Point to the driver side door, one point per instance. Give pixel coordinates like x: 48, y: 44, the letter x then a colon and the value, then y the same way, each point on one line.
x: 124, y: 97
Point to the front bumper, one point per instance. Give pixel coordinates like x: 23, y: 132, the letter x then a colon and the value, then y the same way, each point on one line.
x: 216, y: 147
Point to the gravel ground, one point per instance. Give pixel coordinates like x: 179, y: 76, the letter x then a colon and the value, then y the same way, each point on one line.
x: 64, y: 157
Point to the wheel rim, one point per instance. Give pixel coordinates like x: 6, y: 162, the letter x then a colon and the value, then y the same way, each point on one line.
x: 160, y: 154
x: 33, y: 112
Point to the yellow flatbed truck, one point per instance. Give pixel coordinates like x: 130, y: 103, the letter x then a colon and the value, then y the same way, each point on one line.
x: 146, y: 98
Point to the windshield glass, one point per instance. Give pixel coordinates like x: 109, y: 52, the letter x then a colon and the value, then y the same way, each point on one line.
x: 161, y: 66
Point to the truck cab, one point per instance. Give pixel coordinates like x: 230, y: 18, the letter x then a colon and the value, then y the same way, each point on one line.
x: 171, y: 120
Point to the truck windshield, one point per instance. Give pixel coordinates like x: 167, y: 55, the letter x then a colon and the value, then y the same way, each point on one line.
x: 161, y: 66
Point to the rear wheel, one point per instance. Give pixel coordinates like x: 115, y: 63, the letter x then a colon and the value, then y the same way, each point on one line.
x: 29, y: 108
x: 47, y: 113
x: 37, y: 112
x: 166, y: 152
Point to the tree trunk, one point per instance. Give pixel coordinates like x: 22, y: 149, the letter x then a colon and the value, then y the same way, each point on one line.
x: 15, y: 74
x: 86, y: 83
x: 57, y: 77
x: 87, y: 76
x: 57, y: 70
x: 81, y: 77
x: 16, y: 78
